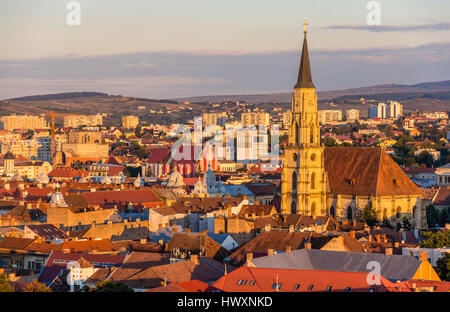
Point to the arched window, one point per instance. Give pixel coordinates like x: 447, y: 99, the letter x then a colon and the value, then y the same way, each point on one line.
x: 294, y: 182
x: 332, y: 211
x: 313, y: 209
x: 313, y: 180
x: 311, y: 134
x: 295, y: 132
x: 293, y: 207
x: 349, y: 213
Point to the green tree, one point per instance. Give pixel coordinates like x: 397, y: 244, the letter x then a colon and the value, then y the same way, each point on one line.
x: 425, y: 158
x: 35, y: 286
x: 369, y: 214
x: 329, y: 141
x: 435, y: 240
x: 108, y: 286
x: 5, y: 285
x: 386, y: 223
x: 432, y: 215
x: 443, y: 267
x: 406, y: 225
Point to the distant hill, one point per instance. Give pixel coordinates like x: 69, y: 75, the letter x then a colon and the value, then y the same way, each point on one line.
x: 58, y: 96
x: 285, y: 97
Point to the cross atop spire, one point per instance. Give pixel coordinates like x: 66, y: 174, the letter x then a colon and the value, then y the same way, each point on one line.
x: 304, y: 74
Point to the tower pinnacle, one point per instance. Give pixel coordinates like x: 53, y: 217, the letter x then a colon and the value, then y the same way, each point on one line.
x: 304, y: 75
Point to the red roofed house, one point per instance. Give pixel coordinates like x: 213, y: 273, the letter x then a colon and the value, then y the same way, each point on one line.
x: 248, y: 279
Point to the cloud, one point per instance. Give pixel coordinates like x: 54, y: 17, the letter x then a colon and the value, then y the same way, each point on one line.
x: 393, y: 28
x: 180, y: 74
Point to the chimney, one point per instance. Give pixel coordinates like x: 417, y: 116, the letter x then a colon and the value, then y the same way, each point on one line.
x: 291, y: 228
x: 308, y: 245
x: 388, y: 251
x: 249, y: 257
x: 194, y: 259
x: 288, y: 249
x: 423, y: 256
x: 353, y: 233
x: 270, y: 252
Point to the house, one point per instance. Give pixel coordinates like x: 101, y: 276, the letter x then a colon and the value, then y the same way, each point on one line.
x: 392, y: 267
x: 196, y: 243
x: 256, y: 279
x: 274, y: 242
x: 60, y: 262
x: 225, y: 240
x: 443, y: 175
x: 203, y: 269
x: 424, y: 177
x: 48, y: 232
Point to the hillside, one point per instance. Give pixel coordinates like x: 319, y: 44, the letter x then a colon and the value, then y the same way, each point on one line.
x: 428, y: 96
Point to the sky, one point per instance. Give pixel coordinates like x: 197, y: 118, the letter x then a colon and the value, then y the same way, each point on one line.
x: 179, y: 48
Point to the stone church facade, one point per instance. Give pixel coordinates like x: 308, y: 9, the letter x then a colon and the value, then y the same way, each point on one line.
x: 339, y: 181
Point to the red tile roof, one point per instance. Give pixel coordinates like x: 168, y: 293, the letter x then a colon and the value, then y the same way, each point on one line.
x: 67, y: 172
x: 121, y: 197
x: 365, y: 171
x: 249, y: 279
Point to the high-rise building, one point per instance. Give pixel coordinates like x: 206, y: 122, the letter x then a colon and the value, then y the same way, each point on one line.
x: 382, y: 111
x: 23, y: 122
x: 304, y: 181
x: 373, y: 112
x: 130, y: 122
x: 213, y: 119
x: 395, y: 109
x: 328, y: 116
x: 75, y: 121
x: 352, y: 114
x: 255, y: 118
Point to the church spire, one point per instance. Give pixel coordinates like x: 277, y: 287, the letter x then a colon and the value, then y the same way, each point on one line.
x: 304, y: 75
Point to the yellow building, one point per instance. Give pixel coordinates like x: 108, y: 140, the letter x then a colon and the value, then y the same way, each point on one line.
x: 130, y: 122
x: 255, y: 119
x: 23, y: 122
x: 75, y: 121
x: 304, y: 182
x: 340, y: 181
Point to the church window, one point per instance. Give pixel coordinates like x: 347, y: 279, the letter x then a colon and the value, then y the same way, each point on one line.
x: 311, y: 134
x: 295, y: 157
x: 313, y: 209
x: 294, y: 182
x: 313, y: 180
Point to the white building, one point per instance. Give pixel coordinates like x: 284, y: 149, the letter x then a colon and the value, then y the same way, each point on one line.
x: 352, y: 114
x: 382, y: 110
x: 328, y: 116
x: 395, y: 109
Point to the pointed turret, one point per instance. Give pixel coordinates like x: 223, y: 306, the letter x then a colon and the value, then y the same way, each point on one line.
x: 304, y: 74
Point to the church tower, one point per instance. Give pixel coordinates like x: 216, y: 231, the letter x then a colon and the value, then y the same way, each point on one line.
x: 304, y: 182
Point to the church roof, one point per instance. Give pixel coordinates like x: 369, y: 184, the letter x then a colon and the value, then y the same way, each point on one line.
x: 9, y: 155
x: 365, y: 171
x: 304, y: 74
